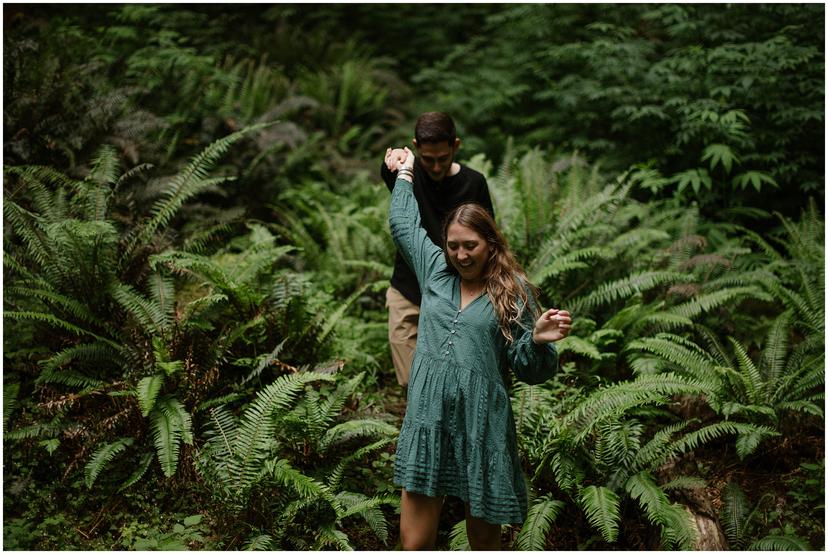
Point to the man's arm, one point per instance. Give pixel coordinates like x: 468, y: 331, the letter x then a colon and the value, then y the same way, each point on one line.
x: 484, y: 199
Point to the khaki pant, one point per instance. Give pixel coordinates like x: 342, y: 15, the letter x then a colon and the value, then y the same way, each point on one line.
x: 403, y: 317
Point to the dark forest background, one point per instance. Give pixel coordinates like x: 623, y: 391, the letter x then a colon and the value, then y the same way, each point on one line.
x: 196, y: 253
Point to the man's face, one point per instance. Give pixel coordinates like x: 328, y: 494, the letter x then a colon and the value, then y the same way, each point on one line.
x: 436, y: 158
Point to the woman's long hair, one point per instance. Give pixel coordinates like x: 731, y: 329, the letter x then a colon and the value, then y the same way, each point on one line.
x: 506, y: 282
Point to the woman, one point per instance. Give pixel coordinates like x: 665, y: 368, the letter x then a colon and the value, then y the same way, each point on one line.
x: 478, y: 317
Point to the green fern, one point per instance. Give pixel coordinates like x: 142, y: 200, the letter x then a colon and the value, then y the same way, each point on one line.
x: 149, y: 315
x: 677, y: 527
x: 98, y: 353
x: 257, y: 426
x: 541, y: 516
x: 147, y: 392
x: 170, y: 424
x: 328, y: 536
x: 186, y: 184
x: 102, y: 456
x: 713, y: 300
x: 10, y: 391
x: 459, y: 537
x: 368, y: 508
x: 75, y: 308
x: 779, y: 542
x: 259, y: 542
x: 603, y: 510
x: 60, y: 324
x: 636, y: 283
x: 139, y: 472
x: 69, y: 378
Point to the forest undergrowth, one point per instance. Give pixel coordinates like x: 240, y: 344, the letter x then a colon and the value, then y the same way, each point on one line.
x: 196, y: 254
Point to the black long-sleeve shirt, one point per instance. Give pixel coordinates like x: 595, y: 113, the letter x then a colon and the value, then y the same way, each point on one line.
x: 436, y: 201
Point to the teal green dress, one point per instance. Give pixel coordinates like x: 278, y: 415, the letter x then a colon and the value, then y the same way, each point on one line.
x: 458, y: 435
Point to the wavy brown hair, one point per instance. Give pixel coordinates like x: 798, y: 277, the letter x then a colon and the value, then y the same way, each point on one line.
x: 506, y: 282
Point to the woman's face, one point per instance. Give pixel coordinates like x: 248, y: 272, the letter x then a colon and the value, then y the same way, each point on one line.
x: 468, y: 251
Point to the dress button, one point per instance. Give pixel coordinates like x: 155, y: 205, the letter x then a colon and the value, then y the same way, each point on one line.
x: 455, y: 321
x: 450, y: 343
x: 453, y: 331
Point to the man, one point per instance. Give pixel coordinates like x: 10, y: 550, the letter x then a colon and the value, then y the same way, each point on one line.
x: 440, y: 185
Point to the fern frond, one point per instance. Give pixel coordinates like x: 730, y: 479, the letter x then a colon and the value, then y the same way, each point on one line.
x: 662, y: 321
x: 31, y: 230
x: 735, y: 511
x: 569, y: 262
x: 459, y: 537
x: 49, y: 429
x: 356, y: 428
x: 620, y: 397
x: 303, y: 485
x: 102, y: 456
x: 368, y: 508
x: 95, y: 189
x: 633, y: 284
x: 603, y: 510
x: 328, y: 536
x: 185, y: 263
x: 185, y: 185
x: 677, y: 527
x: 803, y: 406
x: 162, y: 293
x: 146, y: 313
x: 225, y: 429
x: 139, y: 472
x: 170, y: 424
x: 539, y: 520
x: 69, y: 378
x: 335, y: 476
x: 577, y: 345
x: 266, y: 360
x: 693, y: 361
x: 746, y: 443
x: 70, y: 305
x: 259, y: 542
x: 781, y: 542
x: 750, y: 373
x: 707, y: 302
x: 685, y: 482
x: 321, y: 412
x: 97, y: 352
x: 10, y: 391
x: 332, y: 319
x: 201, y: 305
x: 257, y: 426
x: 693, y: 440
x: 147, y: 392
x: 58, y: 323
x: 218, y: 401
x: 776, y: 350
x: 654, y: 453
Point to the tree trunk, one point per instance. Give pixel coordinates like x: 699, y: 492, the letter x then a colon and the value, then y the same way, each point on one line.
x: 710, y: 536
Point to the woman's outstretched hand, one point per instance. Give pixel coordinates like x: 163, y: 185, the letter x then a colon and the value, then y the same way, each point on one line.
x: 552, y: 325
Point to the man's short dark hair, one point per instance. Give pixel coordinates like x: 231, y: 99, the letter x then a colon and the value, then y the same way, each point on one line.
x: 434, y: 128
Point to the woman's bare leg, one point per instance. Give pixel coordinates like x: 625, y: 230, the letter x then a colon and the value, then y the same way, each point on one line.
x: 482, y: 534
x: 419, y: 518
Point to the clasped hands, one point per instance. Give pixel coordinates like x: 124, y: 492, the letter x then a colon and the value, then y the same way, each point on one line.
x: 397, y: 158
